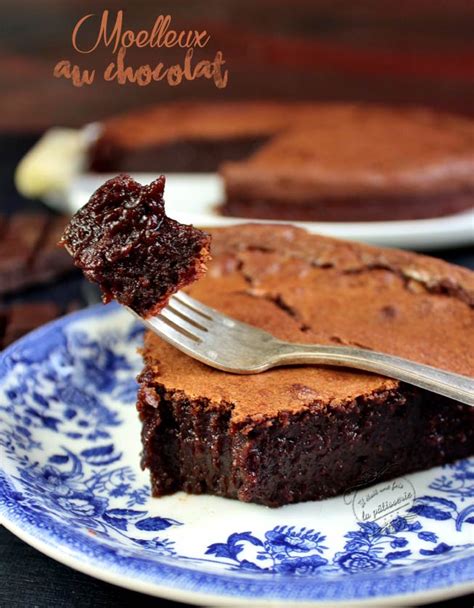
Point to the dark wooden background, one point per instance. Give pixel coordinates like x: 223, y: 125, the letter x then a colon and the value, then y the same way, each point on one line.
x: 402, y: 51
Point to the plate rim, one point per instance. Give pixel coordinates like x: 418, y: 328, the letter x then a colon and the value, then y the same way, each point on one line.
x: 200, y: 598
x: 48, y: 544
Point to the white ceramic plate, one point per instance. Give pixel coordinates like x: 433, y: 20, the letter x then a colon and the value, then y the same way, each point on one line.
x: 194, y: 199
x: 71, y: 486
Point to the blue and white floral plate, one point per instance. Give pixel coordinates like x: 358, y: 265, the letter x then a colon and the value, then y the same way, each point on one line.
x: 71, y: 486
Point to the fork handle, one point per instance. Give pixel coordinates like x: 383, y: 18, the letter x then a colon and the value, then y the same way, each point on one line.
x: 457, y: 387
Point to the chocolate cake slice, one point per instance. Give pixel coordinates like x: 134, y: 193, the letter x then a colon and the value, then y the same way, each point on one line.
x: 357, y: 163
x: 310, y: 432
x: 123, y: 241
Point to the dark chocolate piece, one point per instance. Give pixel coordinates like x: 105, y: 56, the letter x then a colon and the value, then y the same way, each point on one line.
x: 28, y: 252
x: 18, y: 245
x: 20, y: 318
x: 50, y: 261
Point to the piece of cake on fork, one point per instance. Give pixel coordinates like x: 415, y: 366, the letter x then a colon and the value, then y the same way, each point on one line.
x: 123, y: 241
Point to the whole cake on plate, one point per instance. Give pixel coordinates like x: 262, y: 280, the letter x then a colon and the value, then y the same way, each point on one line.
x: 302, y: 160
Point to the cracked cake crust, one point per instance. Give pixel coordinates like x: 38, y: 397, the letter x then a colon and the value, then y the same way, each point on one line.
x: 307, y: 432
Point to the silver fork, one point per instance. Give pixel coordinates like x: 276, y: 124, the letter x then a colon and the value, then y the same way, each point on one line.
x: 232, y: 346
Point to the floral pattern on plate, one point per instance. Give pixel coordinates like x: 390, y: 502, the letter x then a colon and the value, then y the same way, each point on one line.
x: 70, y: 477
